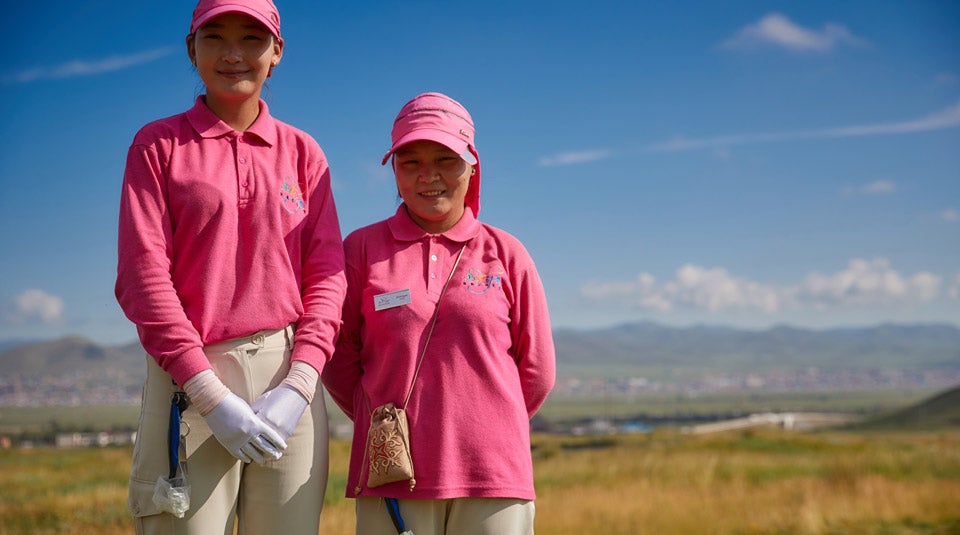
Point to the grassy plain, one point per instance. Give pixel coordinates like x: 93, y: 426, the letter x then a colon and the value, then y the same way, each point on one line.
x: 674, y: 404
x: 749, y: 482
x: 38, y: 421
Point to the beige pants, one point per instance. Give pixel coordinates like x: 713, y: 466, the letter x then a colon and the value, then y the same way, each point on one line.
x: 281, y: 497
x: 460, y: 516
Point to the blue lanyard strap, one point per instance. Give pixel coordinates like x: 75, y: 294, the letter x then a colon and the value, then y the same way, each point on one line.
x: 178, y: 404
x: 394, y: 509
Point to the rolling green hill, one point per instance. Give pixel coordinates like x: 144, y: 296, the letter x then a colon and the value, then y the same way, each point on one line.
x: 939, y: 412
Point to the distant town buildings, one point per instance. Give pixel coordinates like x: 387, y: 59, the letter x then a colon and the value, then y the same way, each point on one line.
x: 102, y: 439
x: 811, y: 379
x: 106, y: 387
x: 81, y: 389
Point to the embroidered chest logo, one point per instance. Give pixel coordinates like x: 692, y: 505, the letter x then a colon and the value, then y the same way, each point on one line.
x: 291, y: 197
x: 478, y: 282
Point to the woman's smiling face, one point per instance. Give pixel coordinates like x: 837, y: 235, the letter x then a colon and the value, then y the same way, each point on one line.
x: 433, y: 181
x: 234, y: 54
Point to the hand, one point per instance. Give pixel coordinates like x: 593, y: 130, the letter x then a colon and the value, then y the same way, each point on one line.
x: 282, y: 408
x: 243, y: 433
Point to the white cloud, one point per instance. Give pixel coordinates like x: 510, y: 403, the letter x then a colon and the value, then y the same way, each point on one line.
x: 36, y: 305
x: 950, y: 215
x: 866, y: 282
x: 954, y: 290
x: 880, y: 187
x: 570, y: 158
x: 777, y: 30
x: 716, y: 290
x: 946, y: 118
x: 861, y: 283
x: 76, y: 68
x: 693, y: 286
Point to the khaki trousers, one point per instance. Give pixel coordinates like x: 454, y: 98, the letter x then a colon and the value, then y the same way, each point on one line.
x: 283, y: 496
x: 459, y: 516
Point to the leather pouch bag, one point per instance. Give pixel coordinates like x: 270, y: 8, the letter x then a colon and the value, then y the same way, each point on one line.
x: 388, y: 447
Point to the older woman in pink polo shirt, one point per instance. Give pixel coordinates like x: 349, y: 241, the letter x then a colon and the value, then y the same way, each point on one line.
x: 231, y: 267
x: 490, y: 362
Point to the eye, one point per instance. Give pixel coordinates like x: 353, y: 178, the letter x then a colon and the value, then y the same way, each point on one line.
x: 448, y: 163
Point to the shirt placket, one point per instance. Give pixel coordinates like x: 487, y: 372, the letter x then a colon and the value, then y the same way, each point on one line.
x: 435, y: 261
x: 245, y: 182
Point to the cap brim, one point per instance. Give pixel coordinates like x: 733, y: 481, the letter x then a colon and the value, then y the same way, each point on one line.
x: 453, y: 143
x: 217, y: 11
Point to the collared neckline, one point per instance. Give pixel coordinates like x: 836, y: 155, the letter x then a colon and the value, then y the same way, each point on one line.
x: 208, y: 125
x: 404, y: 228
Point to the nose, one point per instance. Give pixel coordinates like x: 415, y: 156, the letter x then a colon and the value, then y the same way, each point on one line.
x: 233, y: 54
x: 428, y: 173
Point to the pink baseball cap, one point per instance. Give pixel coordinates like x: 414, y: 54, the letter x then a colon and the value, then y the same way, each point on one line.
x: 437, y: 117
x: 262, y: 10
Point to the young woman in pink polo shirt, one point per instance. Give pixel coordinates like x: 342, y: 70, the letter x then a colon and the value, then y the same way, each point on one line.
x: 490, y: 361
x: 231, y: 267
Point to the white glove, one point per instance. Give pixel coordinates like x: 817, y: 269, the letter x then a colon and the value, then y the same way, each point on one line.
x: 282, y: 408
x: 242, y: 433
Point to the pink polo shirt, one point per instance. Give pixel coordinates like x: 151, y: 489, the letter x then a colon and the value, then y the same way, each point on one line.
x: 225, y: 233
x: 488, y: 367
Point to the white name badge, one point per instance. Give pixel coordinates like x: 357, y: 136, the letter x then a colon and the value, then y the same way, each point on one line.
x: 398, y: 298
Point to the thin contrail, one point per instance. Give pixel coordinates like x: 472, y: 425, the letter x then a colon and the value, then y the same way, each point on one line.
x: 76, y: 68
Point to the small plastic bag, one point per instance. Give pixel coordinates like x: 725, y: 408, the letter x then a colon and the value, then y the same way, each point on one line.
x: 172, y: 496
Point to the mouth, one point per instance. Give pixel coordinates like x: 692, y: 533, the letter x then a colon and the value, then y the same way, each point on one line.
x: 233, y: 74
x: 432, y: 194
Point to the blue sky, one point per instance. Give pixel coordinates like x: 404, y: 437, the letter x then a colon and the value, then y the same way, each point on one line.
x: 746, y: 163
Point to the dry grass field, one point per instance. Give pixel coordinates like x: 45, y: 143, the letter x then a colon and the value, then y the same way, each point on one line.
x: 769, y: 482
x: 750, y: 482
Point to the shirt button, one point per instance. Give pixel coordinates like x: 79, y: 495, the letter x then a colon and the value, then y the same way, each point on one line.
x: 433, y: 257
x: 243, y: 160
x: 433, y: 275
x: 246, y: 184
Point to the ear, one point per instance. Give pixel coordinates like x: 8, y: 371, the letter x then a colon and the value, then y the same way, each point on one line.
x: 191, y: 49
x: 277, y: 54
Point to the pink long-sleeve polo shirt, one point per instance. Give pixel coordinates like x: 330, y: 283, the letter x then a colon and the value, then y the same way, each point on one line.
x: 488, y: 367
x: 225, y: 233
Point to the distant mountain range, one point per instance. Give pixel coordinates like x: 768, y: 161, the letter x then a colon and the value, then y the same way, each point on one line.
x: 71, y: 355
x: 651, y: 349
x: 665, y: 352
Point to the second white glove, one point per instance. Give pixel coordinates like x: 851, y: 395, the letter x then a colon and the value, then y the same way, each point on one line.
x: 243, y: 433
x: 282, y: 408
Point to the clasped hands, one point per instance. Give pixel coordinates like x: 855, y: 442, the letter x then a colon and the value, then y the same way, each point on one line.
x: 257, y: 432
